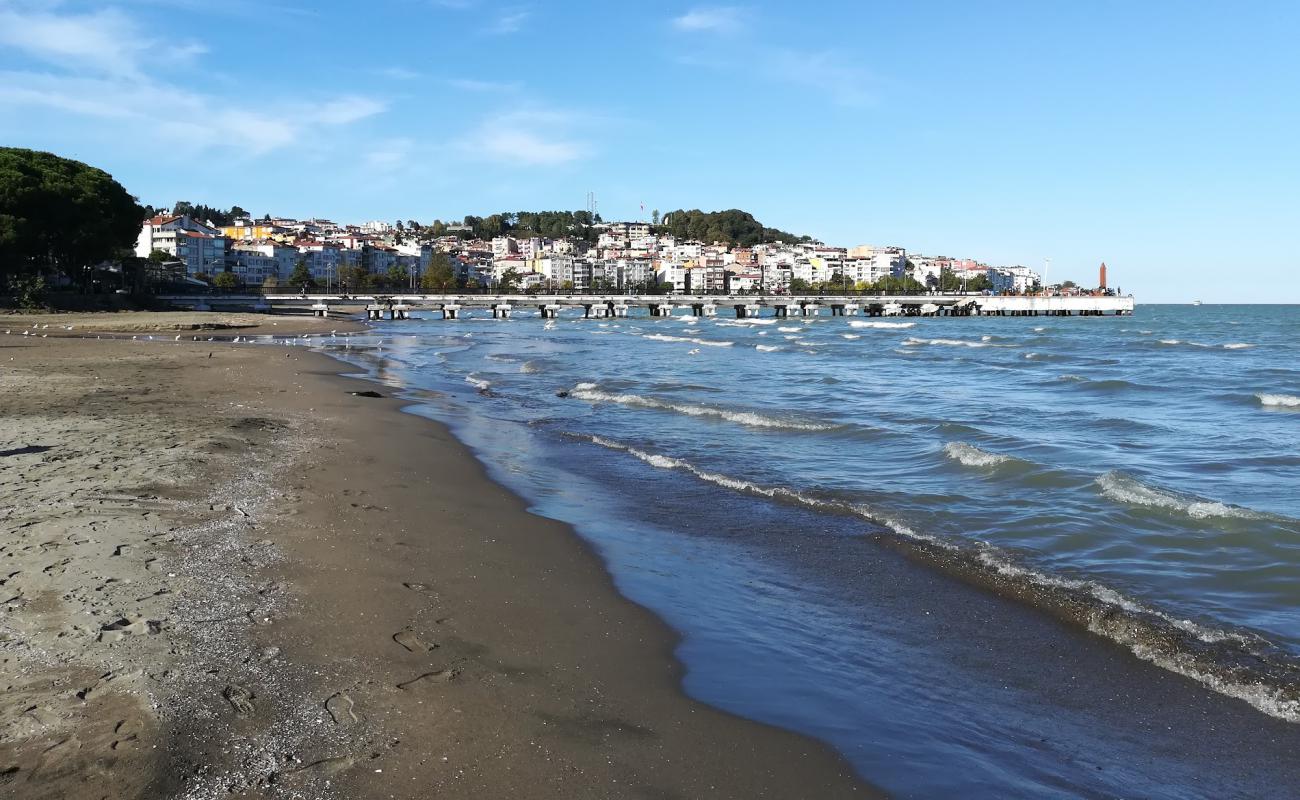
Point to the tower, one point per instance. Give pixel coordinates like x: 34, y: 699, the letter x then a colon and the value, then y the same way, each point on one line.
x: 1102, y: 284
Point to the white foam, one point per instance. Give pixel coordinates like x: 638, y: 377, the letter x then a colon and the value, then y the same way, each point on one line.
x: 972, y: 456
x: 850, y: 336
x: 1039, y: 330
x: 1126, y: 489
x: 1171, y: 341
x: 857, y: 323
x: 530, y: 367
x: 592, y: 393
x: 478, y: 383
x: 913, y: 341
x: 786, y: 329
x: 1267, y: 699
x: 1073, y: 379
x: 766, y: 348
x: 740, y: 485
x: 1238, y: 346
x: 1279, y: 400
x: 661, y: 337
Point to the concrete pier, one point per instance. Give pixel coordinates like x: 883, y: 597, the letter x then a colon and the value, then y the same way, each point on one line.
x: 745, y: 306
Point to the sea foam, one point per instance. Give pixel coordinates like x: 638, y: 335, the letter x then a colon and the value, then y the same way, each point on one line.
x: 857, y: 323
x: 660, y: 337
x: 1279, y: 400
x: 1228, y: 662
x: 971, y: 456
x: 593, y: 393
x: 1127, y: 489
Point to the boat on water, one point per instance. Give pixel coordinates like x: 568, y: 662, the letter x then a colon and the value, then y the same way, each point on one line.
x: 1196, y: 302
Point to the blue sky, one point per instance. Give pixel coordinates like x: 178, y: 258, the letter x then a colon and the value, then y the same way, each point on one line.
x: 1160, y: 137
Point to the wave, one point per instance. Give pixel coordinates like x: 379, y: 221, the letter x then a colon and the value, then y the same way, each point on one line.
x: 482, y: 385
x: 1238, y: 346
x: 971, y: 456
x: 1235, y: 664
x: 850, y: 336
x: 766, y: 348
x: 913, y: 341
x: 1072, y: 379
x: 661, y: 337
x: 857, y: 323
x: 531, y: 367
x: 1127, y: 489
x: 786, y: 329
x: 1278, y: 400
x: 593, y: 393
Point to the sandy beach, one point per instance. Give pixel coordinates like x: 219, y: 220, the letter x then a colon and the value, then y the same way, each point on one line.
x: 224, y: 574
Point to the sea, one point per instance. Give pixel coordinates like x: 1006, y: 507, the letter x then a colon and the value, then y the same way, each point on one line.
x: 978, y: 557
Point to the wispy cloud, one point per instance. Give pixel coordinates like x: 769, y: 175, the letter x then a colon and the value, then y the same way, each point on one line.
x: 106, y: 41
x: 397, y: 73
x: 389, y: 155
x: 96, y: 68
x: 511, y: 20
x: 712, y: 19
x: 535, y: 138
x: 343, y: 110
x: 833, y: 74
x: 472, y: 85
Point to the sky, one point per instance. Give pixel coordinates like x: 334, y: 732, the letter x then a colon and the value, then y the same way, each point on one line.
x: 1159, y: 137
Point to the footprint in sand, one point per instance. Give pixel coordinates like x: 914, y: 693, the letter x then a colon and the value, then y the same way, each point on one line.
x: 323, y: 768
x: 340, y: 707
x: 429, y: 678
x: 125, y: 627
x: 411, y: 641
x: 240, y: 699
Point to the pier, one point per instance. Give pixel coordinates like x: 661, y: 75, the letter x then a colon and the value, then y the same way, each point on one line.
x: 550, y: 306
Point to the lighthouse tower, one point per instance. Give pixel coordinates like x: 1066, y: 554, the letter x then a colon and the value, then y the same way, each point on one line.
x: 1102, y: 283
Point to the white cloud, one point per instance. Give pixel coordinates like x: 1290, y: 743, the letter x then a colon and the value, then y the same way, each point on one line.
x: 534, y: 138
x: 830, y: 73
x: 510, y: 21
x: 398, y: 73
x: 97, y: 61
x: 105, y: 41
x: 472, y: 85
x: 343, y: 110
x: 388, y: 155
x: 713, y: 19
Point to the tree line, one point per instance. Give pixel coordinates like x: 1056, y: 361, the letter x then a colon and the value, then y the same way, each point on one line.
x: 59, y: 217
x: 733, y: 227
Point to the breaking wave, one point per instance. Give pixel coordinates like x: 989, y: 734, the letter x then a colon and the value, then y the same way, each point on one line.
x: 912, y: 341
x: 1235, y: 664
x: 971, y: 456
x: 662, y: 337
x: 1127, y: 489
x: 1278, y: 400
x: 592, y: 392
x: 857, y: 323
x: 766, y: 348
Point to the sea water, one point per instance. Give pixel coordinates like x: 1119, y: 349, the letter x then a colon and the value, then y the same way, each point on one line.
x: 1017, y: 556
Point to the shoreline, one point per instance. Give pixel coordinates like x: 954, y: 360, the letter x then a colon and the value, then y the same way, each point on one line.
x: 413, y: 629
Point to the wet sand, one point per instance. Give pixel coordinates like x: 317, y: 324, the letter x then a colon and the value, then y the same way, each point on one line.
x: 223, y: 574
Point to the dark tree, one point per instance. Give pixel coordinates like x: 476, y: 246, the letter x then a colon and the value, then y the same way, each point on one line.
x: 60, y: 215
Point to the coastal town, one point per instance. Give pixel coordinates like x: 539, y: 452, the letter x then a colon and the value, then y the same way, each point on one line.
x: 589, y: 256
